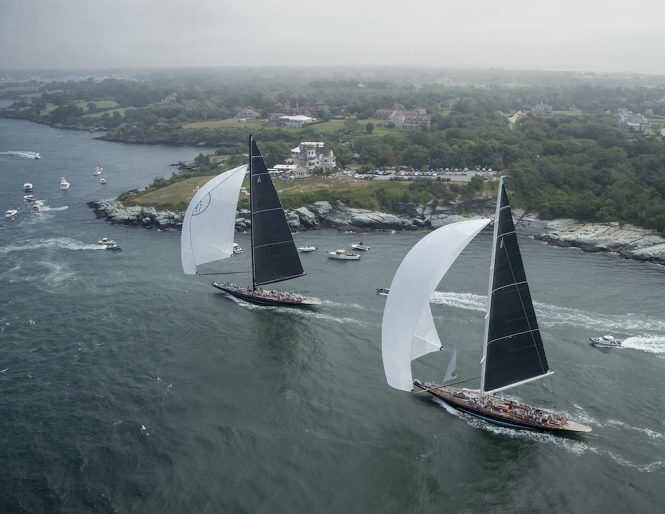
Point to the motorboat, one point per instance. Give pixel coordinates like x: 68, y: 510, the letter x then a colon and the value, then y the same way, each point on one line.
x: 383, y: 291
x: 236, y: 249
x: 307, y: 248
x: 64, y: 185
x: 102, y: 181
x: 27, y: 187
x: 10, y: 213
x: 360, y: 246
x: 105, y: 241
x: 606, y: 341
x: 35, y: 209
x: 30, y: 198
x: 98, y: 170
x: 343, y: 255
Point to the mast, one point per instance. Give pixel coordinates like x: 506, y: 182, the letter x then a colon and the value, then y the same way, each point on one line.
x: 489, y: 288
x: 251, y: 213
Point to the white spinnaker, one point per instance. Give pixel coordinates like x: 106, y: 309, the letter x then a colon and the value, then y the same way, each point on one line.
x: 408, y: 330
x: 209, y: 223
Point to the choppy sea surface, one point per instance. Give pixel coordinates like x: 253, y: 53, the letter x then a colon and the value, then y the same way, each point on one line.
x: 126, y: 386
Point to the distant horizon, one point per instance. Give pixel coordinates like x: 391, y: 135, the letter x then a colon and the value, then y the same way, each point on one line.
x: 331, y: 67
x: 589, y: 36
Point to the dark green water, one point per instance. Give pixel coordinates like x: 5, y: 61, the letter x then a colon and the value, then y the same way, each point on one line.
x: 126, y: 386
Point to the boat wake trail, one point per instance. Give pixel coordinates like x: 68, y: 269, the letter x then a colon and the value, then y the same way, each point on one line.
x: 649, y: 344
x: 578, y: 447
x: 22, y: 153
x: 553, y: 315
x: 466, y: 301
x: 46, y: 208
x: 306, y: 313
x: 57, y: 243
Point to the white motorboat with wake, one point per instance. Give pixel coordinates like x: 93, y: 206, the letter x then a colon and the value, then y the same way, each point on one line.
x: 64, y: 185
x: 10, y: 213
x: 606, y: 341
x: 360, y: 246
x: 105, y: 241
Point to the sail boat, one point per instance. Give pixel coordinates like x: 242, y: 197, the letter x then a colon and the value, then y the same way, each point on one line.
x: 208, y: 230
x: 513, y: 352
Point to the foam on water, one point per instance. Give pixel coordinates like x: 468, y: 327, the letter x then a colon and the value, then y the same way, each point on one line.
x: 553, y: 315
x: 306, y: 313
x: 58, y: 242
x: 649, y: 344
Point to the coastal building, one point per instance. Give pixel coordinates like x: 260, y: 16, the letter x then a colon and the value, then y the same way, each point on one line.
x: 634, y: 121
x: 541, y: 110
x: 247, y: 113
x: 309, y: 155
x: 295, y: 121
x: 401, y: 117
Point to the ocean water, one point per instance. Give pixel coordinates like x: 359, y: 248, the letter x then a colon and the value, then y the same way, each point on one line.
x: 126, y: 386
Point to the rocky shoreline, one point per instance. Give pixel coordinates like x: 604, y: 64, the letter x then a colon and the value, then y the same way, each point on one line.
x: 626, y: 241
x: 311, y: 217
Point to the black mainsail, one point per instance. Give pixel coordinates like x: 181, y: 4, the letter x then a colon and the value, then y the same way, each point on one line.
x: 274, y: 254
x: 513, y: 350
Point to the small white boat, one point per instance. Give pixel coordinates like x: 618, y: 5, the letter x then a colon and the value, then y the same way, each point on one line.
x: 343, y: 255
x: 35, y: 209
x: 307, y: 248
x: 102, y: 181
x: 360, y: 246
x: 27, y: 187
x: 105, y: 241
x: 64, y: 185
x: 236, y: 249
x: 383, y: 291
x: 606, y: 341
x: 30, y: 198
x: 98, y: 170
x: 10, y: 213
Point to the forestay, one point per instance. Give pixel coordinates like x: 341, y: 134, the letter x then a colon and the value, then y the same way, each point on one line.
x: 209, y: 223
x: 408, y: 330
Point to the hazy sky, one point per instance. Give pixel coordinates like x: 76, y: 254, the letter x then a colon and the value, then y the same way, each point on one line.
x: 592, y: 35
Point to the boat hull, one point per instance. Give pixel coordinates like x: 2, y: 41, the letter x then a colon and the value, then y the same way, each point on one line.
x: 496, y: 410
x: 268, y: 300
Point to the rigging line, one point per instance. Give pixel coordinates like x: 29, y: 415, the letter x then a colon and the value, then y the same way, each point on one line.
x: 275, y: 243
x: 269, y: 210
x: 223, y: 273
x: 428, y: 389
x: 519, y: 294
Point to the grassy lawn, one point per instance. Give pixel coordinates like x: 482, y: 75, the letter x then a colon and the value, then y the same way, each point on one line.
x: 292, y: 194
x: 250, y: 124
x: 325, y: 127
x: 120, y: 110
x: 171, y: 195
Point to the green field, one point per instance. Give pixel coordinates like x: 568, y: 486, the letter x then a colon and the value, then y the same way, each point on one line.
x: 325, y: 127
x: 250, y: 124
x: 368, y: 194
